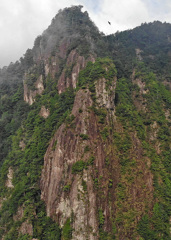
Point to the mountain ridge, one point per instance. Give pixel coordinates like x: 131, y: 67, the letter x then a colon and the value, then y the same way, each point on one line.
x: 87, y: 155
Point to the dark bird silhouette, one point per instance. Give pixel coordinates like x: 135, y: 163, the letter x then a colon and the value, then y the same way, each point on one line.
x: 109, y: 22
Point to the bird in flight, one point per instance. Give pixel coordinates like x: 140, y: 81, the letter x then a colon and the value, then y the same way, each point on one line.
x: 109, y: 22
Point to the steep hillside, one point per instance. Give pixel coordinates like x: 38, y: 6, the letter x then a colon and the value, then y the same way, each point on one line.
x: 149, y: 43
x: 85, y: 134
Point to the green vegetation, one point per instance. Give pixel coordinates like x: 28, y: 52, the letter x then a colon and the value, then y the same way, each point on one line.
x: 101, y: 113
x: 87, y: 149
x: 54, y: 145
x: 105, y: 133
x: 79, y: 166
x: 66, y: 188
x: 136, y: 119
x: 13, y: 110
x: 101, y: 218
x: 36, y: 132
x: 67, y: 230
x: 90, y: 161
x: 103, y: 67
x: 84, y: 136
x: 131, y: 181
x: 125, y: 108
x: 84, y: 185
x: 69, y: 119
x: 103, y: 235
x: 148, y: 39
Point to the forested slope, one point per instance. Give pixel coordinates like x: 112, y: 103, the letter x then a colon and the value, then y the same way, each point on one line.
x: 85, y: 134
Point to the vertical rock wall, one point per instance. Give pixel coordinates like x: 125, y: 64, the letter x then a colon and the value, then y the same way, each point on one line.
x: 63, y: 191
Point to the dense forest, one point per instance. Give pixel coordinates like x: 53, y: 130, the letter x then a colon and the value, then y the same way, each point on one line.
x: 85, y: 134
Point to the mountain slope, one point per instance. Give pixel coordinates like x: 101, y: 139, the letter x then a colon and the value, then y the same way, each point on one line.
x: 89, y: 156
x: 149, y: 43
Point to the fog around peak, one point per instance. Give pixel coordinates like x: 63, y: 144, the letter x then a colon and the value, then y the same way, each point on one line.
x: 22, y: 21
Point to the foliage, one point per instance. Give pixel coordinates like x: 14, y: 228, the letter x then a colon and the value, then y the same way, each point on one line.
x: 36, y: 132
x: 24, y: 237
x: 67, y: 230
x: 84, y: 136
x: 151, y: 39
x: 90, y: 160
x: 105, y: 133
x: 87, y: 148
x: 125, y: 108
x: 84, y: 185
x: 13, y: 110
x: 94, y: 71
x: 142, y: 128
x: 144, y: 230
x: 101, y: 218
x: 141, y: 121
x: 78, y: 166
x: 101, y: 113
x: 66, y: 188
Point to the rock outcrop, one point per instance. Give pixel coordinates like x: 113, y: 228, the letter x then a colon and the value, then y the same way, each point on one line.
x: 69, y: 76
x: 57, y: 172
x: 90, y: 158
x: 9, y: 183
x: 64, y: 192
x: 44, y: 112
x: 30, y: 94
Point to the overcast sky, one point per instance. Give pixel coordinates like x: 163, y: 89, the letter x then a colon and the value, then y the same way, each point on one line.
x: 21, y: 21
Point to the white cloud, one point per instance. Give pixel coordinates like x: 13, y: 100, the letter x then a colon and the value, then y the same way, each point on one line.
x: 122, y: 14
x: 167, y: 12
x: 21, y: 21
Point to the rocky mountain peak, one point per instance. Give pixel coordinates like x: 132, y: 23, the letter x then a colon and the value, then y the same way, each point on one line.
x: 85, y: 153
x: 70, y: 25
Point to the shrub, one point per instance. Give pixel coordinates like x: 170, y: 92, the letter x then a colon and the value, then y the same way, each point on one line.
x: 66, y: 188
x: 84, y: 136
x: 67, y: 230
x: 78, y: 166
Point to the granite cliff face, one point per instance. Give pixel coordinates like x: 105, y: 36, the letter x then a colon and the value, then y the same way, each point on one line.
x: 65, y: 193
x: 61, y: 52
x: 29, y: 94
x: 87, y: 145
x: 90, y: 158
